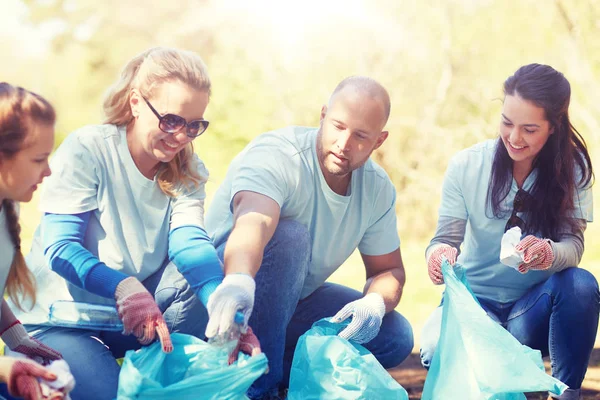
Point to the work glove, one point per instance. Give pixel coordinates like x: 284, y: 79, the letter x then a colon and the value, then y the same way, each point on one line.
x: 16, y: 338
x: 235, y: 293
x: 537, y: 254
x: 22, y: 378
x: 434, y: 262
x: 140, y: 314
x: 367, y: 314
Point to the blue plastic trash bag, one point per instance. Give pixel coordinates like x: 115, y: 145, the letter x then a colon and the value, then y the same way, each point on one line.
x: 476, y: 358
x: 193, y: 370
x: 326, y: 366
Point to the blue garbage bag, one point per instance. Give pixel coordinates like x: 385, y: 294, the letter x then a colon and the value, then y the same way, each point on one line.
x: 476, y: 358
x: 193, y: 370
x: 326, y: 366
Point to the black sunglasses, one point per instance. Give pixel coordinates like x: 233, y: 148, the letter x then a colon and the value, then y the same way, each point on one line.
x: 523, y: 202
x: 171, y: 123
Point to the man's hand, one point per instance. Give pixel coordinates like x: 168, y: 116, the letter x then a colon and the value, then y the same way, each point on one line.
x: 235, y: 293
x: 140, y: 314
x: 434, y: 263
x: 367, y: 314
x: 537, y: 254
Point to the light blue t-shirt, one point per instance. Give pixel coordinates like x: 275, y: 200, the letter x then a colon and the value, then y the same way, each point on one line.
x: 464, y: 197
x: 283, y: 166
x: 131, y: 217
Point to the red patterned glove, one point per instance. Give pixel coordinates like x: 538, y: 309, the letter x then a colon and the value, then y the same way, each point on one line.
x: 140, y: 314
x: 537, y: 254
x: 434, y: 263
x: 22, y: 375
x: 17, y: 339
x: 248, y: 344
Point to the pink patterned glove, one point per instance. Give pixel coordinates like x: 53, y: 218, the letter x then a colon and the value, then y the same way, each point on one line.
x: 140, y: 314
x: 434, y: 263
x: 21, y: 376
x: 17, y: 339
x: 248, y: 344
x: 537, y: 254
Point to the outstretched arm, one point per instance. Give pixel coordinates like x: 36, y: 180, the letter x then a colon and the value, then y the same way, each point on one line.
x: 255, y: 217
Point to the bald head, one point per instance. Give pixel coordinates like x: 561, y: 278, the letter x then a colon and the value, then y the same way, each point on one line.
x: 363, y: 86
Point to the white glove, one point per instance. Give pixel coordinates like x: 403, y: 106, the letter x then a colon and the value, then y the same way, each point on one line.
x: 367, y: 314
x: 235, y: 293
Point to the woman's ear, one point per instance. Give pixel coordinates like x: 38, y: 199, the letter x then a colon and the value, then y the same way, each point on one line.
x: 134, y: 102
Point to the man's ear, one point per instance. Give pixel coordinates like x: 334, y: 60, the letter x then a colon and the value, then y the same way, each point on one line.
x: 323, y: 114
x: 381, y: 139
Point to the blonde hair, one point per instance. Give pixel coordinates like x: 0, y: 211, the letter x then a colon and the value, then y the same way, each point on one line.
x: 145, y: 72
x: 19, y: 108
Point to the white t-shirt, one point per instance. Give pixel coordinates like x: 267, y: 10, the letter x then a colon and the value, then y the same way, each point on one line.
x: 283, y: 166
x: 128, y: 229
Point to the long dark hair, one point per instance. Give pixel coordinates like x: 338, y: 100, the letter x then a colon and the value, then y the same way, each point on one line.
x: 19, y: 109
x: 563, y: 158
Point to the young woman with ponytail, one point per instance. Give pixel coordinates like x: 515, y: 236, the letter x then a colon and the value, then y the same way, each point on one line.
x: 124, y: 221
x: 26, y: 140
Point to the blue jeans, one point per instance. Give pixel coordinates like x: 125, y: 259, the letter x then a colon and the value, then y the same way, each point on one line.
x: 92, y: 355
x: 559, y: 317
x: 279, y: 317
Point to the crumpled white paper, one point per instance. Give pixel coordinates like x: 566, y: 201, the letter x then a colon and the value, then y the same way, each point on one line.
x: 508, y: 255
x: 51, y: 390
x: 64, y: 382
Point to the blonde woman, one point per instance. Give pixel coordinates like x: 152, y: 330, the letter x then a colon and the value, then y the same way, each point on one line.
x: 26, y: 140
x: 124, y: 220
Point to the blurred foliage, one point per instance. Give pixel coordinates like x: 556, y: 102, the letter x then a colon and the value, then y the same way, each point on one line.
x: 274, y: 64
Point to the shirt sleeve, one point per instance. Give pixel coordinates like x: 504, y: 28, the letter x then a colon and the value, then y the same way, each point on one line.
x: 62, y: 237
x: 450, y: 231
x: 584, y: 204
x: 188, y: 207
x: 568, y: 250
x: 73, y: 186
x: 262, y: 169
x: 381, y: 237
x: 453, y: 202
x: 194, y: 255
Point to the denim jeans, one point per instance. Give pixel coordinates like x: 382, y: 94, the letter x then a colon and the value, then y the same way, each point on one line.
x: 279, y: 317
x: 92, y: 355
x: 559, y: 317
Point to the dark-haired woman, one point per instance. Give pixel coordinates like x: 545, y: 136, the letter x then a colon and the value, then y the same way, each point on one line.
x: 536, y: 175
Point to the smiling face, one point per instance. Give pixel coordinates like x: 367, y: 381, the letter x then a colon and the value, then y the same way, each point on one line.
x: 524, y: 130
x: 21, y: 174
x: 149, y: 146
x: 351, y: 129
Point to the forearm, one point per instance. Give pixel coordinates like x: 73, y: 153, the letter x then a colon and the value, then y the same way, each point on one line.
x: 389, y: 284
x: 450, y: 231
x: 569, y: 249
x: 66, y: 255
x: 7, y: 317
x: 193, y: 253
x: 245, y: 245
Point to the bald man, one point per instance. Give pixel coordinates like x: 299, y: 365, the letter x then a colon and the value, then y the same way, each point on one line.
x: 295, y: 204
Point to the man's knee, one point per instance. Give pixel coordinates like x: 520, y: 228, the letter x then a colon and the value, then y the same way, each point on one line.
x: 395, y: 340
x: 291, y: 235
